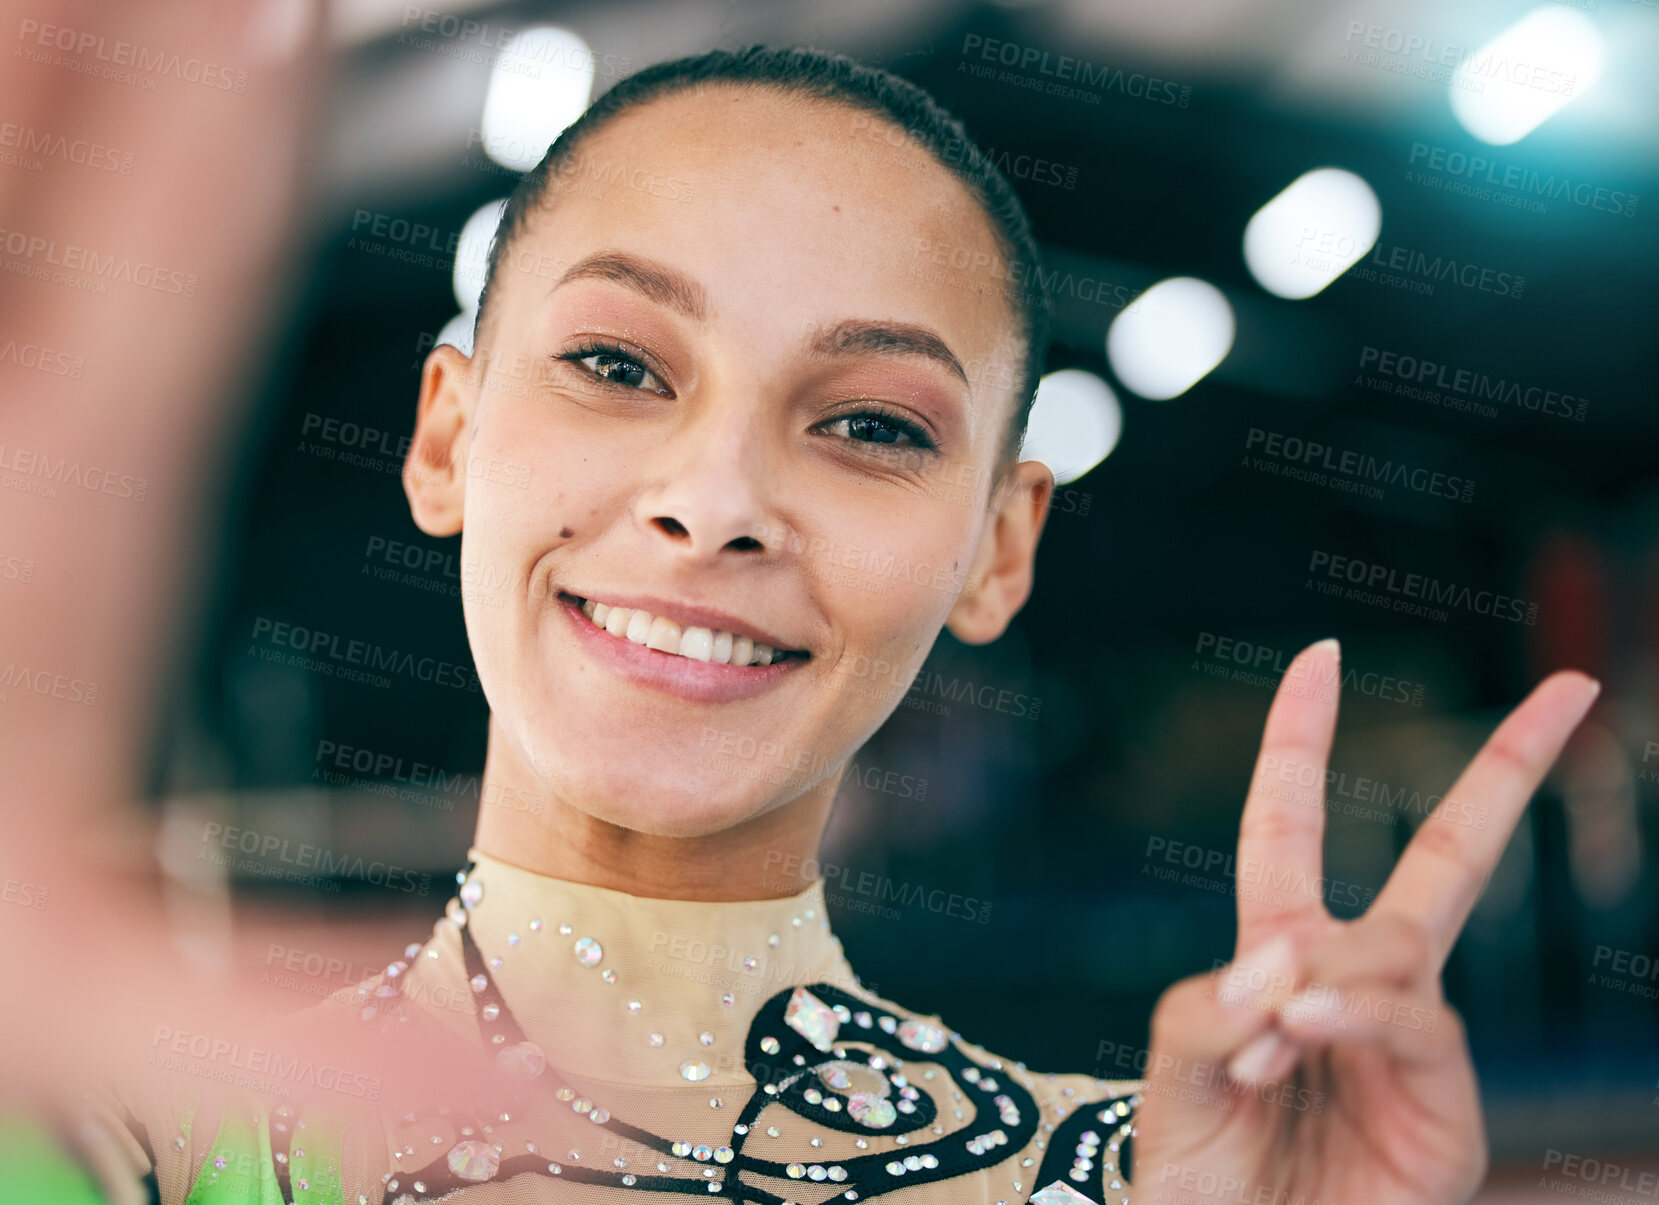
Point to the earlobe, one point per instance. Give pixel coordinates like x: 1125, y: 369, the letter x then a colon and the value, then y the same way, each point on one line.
x: 433, y: 476
x: 998, y: 581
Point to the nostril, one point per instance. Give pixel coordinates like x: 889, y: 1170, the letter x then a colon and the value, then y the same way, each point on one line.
x: 672, y: 526
x: 743, y: 543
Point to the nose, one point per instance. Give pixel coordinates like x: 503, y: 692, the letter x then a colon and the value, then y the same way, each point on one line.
x: 713, y: 494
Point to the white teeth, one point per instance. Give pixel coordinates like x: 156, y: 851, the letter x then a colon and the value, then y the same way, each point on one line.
x: 639, y: 627
x: 664, y: 635
x: 696, y: 643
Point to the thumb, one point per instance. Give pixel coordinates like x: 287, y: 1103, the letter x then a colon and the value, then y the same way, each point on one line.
x: 1221, y: 1025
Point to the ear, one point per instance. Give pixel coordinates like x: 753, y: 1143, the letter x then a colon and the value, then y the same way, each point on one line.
x: 434, y: 472
x: 999, y: 578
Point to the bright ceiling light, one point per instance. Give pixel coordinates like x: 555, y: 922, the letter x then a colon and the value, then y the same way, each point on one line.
x: 1528, y: 73
x: 1312, y: 232
x: 542, y: 80
x: 1171, y: 337
x: 1074, y: 425
x: 472, y: 253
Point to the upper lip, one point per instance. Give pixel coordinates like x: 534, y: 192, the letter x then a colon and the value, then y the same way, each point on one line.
x: 689, y: 615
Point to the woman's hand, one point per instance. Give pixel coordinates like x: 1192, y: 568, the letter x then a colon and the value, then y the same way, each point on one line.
x: 1322, y: 1065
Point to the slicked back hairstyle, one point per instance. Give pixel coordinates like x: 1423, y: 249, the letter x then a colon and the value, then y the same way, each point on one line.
x: 831, y: 77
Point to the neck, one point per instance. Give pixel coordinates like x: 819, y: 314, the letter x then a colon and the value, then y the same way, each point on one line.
x: 757, y: 859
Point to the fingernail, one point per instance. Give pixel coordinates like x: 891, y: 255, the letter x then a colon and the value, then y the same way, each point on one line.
x: 1248, y: 1064
x: 1257, y: 976
x: 1330, y: 642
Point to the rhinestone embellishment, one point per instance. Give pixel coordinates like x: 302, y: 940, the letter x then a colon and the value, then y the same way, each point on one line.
x: 1059, y: 1193
x: 522, y: 1061
x: 812, y: 1019
x: 876, y: 1112
x: 474, y: 1161
x: 919, y: 1035
x: 694, y: 1070
x: 588, y: 952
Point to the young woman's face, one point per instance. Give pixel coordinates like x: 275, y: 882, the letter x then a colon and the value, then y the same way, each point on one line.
x: 732, y: 381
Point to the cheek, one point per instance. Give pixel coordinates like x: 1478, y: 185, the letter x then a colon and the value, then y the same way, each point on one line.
x: 893, y: 575
x: 531, y: 478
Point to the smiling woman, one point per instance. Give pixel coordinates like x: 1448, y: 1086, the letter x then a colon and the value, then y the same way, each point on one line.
x: 733, y: 390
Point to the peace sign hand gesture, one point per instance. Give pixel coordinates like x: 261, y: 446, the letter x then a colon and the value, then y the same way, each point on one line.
x: 1322, y: 1065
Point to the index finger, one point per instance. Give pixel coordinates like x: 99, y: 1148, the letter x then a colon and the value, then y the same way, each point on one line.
x: 1446, y: 865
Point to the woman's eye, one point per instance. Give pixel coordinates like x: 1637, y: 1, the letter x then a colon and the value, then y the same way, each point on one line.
x: 881, y: 429
x: 618, y: 368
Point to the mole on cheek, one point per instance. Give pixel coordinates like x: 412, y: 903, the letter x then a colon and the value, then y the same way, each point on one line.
x: 565, y: 533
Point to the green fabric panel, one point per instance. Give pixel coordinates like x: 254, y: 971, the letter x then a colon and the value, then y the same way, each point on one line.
x: 33, y: 1167
x: 321, y: 1135
x: 249, y: 1174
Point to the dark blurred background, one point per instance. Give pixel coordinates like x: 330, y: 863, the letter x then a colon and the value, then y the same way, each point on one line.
x: 1040, y: 878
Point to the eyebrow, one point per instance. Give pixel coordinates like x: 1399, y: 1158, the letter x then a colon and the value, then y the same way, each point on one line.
x: 657, y: 282
x: 854, y: 336
x: 860, y: 336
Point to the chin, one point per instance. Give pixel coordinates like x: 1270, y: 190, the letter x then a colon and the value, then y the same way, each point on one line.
x: 660, y: 799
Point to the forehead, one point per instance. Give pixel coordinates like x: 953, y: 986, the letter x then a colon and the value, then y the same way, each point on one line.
x: 790, y: 211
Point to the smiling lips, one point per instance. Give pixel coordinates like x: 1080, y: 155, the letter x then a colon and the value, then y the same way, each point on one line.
x: 697, y: 643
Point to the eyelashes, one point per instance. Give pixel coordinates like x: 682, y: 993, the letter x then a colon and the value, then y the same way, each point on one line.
x: 613, y: 364
x: 884, y: 425
x: 873, y: 424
